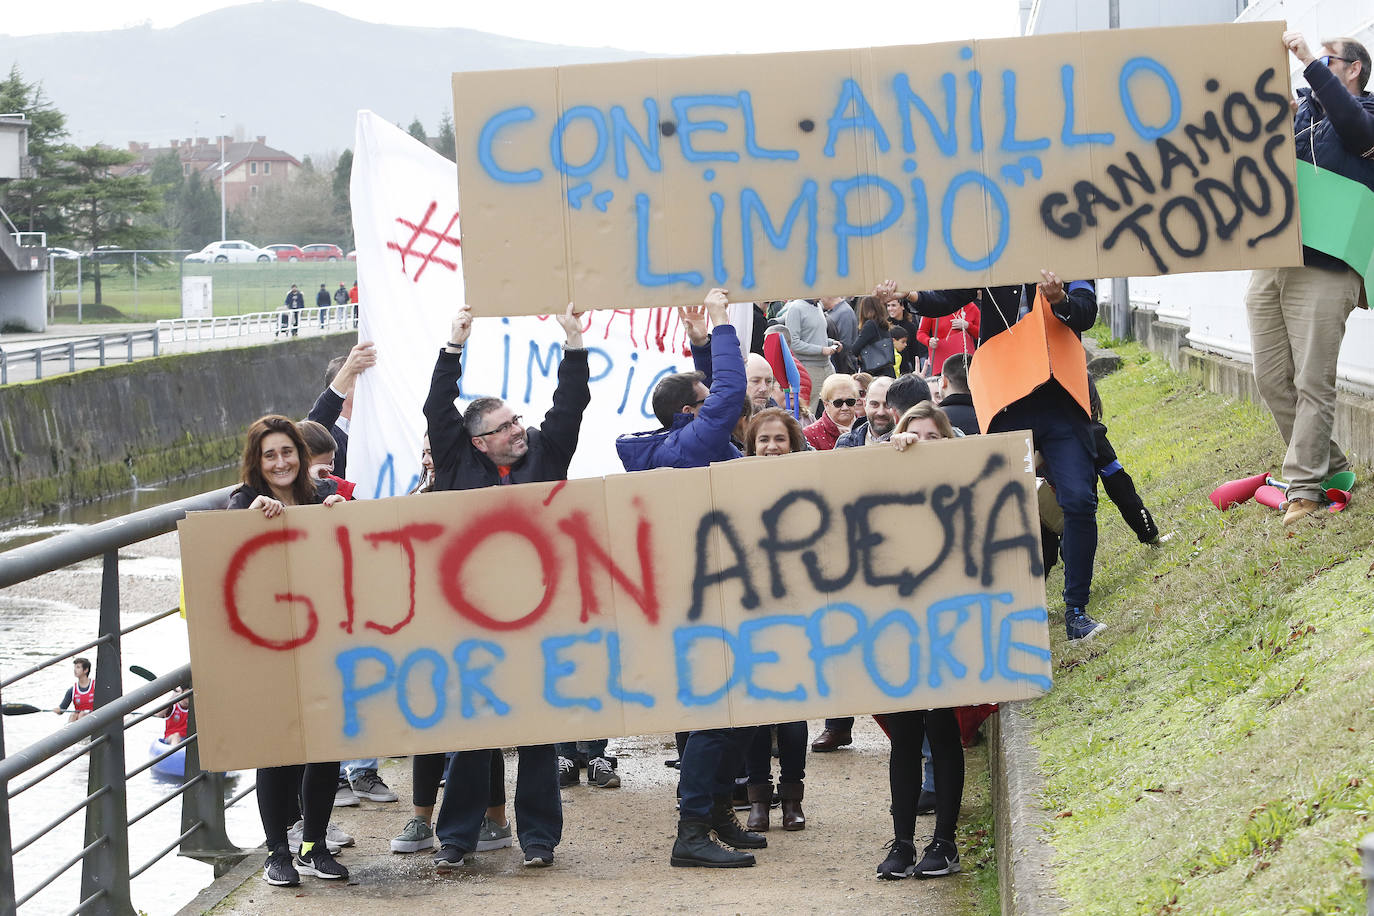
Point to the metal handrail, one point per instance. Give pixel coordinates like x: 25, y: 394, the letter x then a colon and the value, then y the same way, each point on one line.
x: 69, y: 349
x: 70, y: 547
x: 253, y: 322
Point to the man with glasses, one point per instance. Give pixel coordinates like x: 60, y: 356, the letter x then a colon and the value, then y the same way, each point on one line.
x: 698, y: 411
x: 1297, y: 314
x: 484, y: 447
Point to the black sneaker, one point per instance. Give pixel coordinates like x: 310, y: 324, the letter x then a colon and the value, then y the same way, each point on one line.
x: 900, y: 861
x: 538, y: 857
x: 938, y: 859
x: 279, y: 871
x: 321, y: 864
x: 567, y: 772
x: 449, y: 858
x: 1079, y: 625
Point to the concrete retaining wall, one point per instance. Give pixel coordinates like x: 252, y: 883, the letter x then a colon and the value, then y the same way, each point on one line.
x: 78, y: 437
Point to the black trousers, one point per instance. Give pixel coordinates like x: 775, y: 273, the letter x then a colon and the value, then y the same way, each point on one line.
x: 907, y: 731
x: 427, y: 769
x: 278, y: 803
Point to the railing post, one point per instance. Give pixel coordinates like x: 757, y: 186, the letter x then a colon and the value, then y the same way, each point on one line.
x: 7, y: 907
x: 71, y: 356
x: 4, y: 368
x: 1367, y: 860
x: 101, y: 348
x: 203, y: 803
x: 38, y: 362
x: 155, y: 341
x: 106, y: 868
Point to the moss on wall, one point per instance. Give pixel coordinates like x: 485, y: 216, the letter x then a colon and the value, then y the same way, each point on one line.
x: 85, y: 435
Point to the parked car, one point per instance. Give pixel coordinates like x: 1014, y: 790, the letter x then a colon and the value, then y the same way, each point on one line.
x: 286, y: 252
x: 321, y: 251
x: 65, y: 254
x: 235, y: 250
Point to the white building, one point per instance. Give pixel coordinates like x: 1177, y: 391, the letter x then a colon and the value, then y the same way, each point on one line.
x: 1211, y: 305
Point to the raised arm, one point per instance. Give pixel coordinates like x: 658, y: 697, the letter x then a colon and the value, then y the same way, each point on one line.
x: 448, y: 440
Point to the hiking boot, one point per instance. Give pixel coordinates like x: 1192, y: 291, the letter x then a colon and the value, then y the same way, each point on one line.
x: 344, y: 796
x: 415, y: 837
x: 318, y: 862
x: 538, y: 857
x: 367, y: 784
x: 567, y: 773
x: 1079, y: 625
x: 694, y: 849
x: 493, y: 835
x: 279, y: 871
x: 600, y: 774
x: 1299, y: 509
x: 449, y: 858
x: 728, y: 830
x: 939, y: 858
x: 900, y: 861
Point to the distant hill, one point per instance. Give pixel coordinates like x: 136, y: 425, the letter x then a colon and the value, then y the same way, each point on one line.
x: 294, y: 72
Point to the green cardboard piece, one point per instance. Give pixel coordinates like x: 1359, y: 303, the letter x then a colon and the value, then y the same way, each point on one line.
x: 1337, y: 216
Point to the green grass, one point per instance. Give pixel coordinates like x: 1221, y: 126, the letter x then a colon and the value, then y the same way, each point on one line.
x: 1210, y: 753
x: 237, y: 288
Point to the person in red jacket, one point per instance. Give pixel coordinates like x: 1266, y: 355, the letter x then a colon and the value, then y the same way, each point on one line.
x: 949, y: 334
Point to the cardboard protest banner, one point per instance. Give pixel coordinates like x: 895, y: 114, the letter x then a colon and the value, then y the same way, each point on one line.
x: 410, y: 280
x: 755, y: 591
x: 1016, y: 362
x: 1129, y: 152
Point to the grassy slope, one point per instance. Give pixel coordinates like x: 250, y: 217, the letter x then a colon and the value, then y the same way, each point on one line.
x: 1211, y: 752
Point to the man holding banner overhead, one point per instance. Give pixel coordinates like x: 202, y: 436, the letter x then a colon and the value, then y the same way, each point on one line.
x: 1035, y: 377
x: 1297, y: 314
x: 487, y: 446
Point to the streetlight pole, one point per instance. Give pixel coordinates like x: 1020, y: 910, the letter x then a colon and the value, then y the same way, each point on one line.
x: 222, y: 234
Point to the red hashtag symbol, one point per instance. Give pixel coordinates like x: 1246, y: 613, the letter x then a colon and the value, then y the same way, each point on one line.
x: 422, y: 230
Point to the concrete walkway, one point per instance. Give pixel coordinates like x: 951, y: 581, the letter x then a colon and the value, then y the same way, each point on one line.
x: 615, y: 849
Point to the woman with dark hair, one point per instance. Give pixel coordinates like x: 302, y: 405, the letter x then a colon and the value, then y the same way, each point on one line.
x: 275, y: 476
x: 773, y: 431
x: 873, y: 347
x: 907, y: 730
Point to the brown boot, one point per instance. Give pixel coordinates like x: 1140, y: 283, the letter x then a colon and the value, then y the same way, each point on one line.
x: 791, y: 795
x: 760, y: 799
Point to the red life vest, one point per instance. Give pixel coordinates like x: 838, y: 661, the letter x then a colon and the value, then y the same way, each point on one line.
x: 178, y: 720
x: 83, y: 700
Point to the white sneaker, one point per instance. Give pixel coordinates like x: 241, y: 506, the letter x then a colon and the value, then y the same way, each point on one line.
x: 295, y: 835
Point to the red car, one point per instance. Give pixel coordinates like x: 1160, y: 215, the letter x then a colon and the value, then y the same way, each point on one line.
x: 286, y: 252
x: 321, y: 251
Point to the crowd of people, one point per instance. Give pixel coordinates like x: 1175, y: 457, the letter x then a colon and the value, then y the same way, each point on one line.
x: 892, y: 368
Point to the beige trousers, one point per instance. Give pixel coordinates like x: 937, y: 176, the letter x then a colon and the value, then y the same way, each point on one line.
x: 1297, y: 321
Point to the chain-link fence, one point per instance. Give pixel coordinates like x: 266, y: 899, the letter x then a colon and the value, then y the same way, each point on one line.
x: 146, y: 285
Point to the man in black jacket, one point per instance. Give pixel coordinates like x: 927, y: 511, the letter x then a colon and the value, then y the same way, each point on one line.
x: 487, y: 446
x: 1061, y: 427
x: 1297, y: 314
x: 957, y: 403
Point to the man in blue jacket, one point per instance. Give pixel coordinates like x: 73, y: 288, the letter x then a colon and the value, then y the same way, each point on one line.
x: 698, y: 411
x: 1297, y: 314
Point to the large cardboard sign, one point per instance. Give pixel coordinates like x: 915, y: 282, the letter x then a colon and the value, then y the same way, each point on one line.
x: 1129, y: 152
x: 759, y: 590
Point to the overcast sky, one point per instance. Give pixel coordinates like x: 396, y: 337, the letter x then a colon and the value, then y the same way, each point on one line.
x: 697, y: 27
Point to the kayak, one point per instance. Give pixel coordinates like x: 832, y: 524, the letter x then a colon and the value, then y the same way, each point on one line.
x: 173, y: 766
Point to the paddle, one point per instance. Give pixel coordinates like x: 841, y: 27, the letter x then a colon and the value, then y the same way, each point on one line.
x: 142, y: 672
x: 21, y: 709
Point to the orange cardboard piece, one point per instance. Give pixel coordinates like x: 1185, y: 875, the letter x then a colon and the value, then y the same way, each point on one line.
x: 1032, y: 351
x: 633, y: 604
x: 1125, y: 152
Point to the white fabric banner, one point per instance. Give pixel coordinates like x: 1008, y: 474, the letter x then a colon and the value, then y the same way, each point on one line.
x: 410, y: 281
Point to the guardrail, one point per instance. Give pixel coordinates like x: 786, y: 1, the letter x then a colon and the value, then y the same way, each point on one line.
x: 103, y: 346
x: 106, y: 872
x: 282, y: 322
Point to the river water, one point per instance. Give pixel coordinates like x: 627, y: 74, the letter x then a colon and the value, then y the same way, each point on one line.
x: 56, y: 613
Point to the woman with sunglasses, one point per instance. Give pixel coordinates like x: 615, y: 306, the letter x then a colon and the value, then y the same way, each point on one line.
x: 839, y: 397
x: 275, y: 475
x: 907, y: 730
x: 773, y: 431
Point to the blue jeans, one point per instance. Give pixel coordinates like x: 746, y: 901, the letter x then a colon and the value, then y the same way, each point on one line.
x: 538, y: 807
x: 710, y: 762
x: 1063, y: 435
x: 584, y: 749
x: 350, y: 768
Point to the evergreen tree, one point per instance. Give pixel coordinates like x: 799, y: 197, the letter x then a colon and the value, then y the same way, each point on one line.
x: 343, y: 208
x: 417, y: 130
x: 102, y: 208
x: 446, y: 144
x: 30, y: 201
x: 189, y: 216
